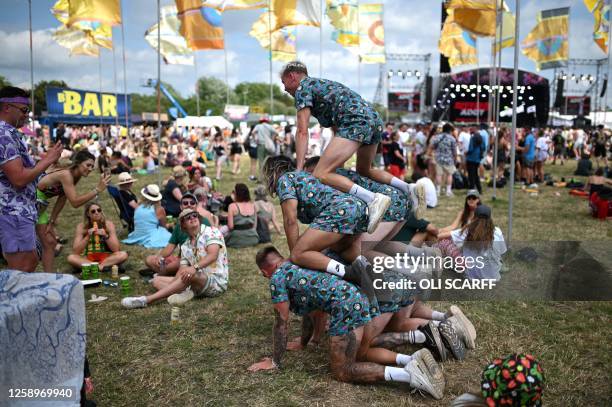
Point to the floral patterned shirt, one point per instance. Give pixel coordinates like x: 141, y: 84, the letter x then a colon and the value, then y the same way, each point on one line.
x: 190, y: 254
x: 16, y: 201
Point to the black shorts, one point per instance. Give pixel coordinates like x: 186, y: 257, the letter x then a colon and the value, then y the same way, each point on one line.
x: 599, y: 150
x: 253, y: 152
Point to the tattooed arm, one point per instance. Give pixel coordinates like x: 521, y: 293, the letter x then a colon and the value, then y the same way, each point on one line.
x: 281, y: 311
x: 392, y: 340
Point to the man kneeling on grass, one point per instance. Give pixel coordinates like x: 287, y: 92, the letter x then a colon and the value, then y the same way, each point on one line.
x: 352, y: 318
x: 203, y: 271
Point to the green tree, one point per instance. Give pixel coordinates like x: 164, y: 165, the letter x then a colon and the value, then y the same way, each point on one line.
x: 213, y: 93
x: 40, y: 96
x: 258, y: 94
x: 4, y: 82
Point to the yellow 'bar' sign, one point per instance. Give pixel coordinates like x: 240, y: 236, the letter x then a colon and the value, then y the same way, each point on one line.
x: 88, y: 103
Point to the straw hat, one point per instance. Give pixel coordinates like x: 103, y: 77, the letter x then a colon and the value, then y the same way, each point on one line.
x: 125, y: 178
x: 151, y: 192
x: 185, y: 212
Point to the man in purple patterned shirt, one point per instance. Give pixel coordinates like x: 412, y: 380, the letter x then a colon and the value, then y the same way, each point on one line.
x: 19, y: 175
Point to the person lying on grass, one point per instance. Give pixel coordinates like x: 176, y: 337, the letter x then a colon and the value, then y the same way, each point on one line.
x: 352, y: 318
x: 203, y: 271
x: 95, y: 240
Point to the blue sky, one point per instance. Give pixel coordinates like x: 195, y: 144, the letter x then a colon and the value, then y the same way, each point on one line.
x: 411, y: 26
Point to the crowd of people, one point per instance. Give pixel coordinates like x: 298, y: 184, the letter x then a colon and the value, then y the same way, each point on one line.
x: 352, y: 218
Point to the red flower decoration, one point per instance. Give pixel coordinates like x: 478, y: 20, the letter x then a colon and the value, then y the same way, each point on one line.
x: 525, y: 363
x: 520, y: 377
x: 511, y: 363
x: 490, y: 402
x: 506, y: 374
x: 497, y: 362
x: 511, y: 384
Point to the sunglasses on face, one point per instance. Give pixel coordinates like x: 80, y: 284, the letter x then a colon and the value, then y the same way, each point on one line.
x: 188, y: 202
x: 191, y: 216
x: 94, y: 211
x: 24, y: 110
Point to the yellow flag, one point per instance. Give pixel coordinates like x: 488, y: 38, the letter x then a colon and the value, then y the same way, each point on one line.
x: 296, y: 12
x: 173, y: 46
x: 601, y: 10
x: 371, y: 48
x: 77, y: 41
x: 283, y: 39
x: 475, y: 16
x: 344, y: 16
x: 200, y: 26
x: 103, y: 11
x: 507, y: 27
x: 547, y: 43
x: 99, y: 33
x: 456, y: 44
x: 223, y: 5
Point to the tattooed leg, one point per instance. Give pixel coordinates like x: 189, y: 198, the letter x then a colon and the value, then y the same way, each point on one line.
x: 395, y: 339
x: 280, y: 338
x: 345, y: 368
x: 404, y: 321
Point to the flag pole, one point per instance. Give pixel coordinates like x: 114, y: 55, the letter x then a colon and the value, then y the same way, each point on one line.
x: 159, y: 131
x: 125, y: 94
x: 31, y: 64
x: 477, y: 85
x: 497, y: 105
x: 359, y: 74
x: 197, y: 87
x: 115, y: 87
x: 270, y: 56
x: 227, y: 89
x: 514, y: 100
x: 605, y: 118
x: 100, y: 84
x: 321, y: 40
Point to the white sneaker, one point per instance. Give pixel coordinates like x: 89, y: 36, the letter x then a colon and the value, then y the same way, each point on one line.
x: 134, y: 302
x: 449, y: 194
x: 376, y: 210
x: 420, y: 379
x: 419, y: 210
x: 468, y: 327
x: 426, y: 358
x: 181, y: 298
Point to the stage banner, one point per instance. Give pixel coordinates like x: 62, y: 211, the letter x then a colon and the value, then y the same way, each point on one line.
x: 404, y: 102
x: 236, y: 112
x: 86, y: 107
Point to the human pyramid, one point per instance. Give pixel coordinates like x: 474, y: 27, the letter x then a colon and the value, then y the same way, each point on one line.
x: 328, y: 278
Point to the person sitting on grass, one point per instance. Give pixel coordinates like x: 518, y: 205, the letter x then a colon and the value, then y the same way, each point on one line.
x: 165, y: 263
x: 466, y: 215
x: 478, y: 239
x: 95, y: 240
x: 304, y: 291
x: 204, y: 267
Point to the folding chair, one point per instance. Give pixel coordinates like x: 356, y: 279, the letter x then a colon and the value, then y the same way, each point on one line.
x: 121, y: 208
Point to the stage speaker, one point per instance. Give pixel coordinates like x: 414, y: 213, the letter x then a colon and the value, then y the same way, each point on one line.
x: 559, y: 96
x: 428, y: 90
x: 603, y: 88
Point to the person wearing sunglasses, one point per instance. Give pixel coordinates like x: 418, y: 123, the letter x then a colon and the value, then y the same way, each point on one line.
x: 165, y: 263
x: 203, y: 270
x: 19, y: 174
x: 95, y: 240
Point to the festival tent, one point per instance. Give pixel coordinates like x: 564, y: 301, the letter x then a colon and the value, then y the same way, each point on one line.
x: 204, y: 121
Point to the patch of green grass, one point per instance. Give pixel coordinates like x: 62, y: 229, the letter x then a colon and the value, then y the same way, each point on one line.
x: 139, y: 359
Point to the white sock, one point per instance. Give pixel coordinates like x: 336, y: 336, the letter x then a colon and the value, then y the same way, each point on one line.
x: 448, y: 189
x: 403, y: 360
x: 438, y: 189
x: 335, y: 268
x: 436, y: 315
x: 396, y: 374
x: 436, y: 323
x: 419, y: 337
x: 400, y: 184
x: 362, y: 193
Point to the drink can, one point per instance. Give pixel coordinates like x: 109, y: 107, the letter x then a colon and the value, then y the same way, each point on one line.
x: 125, y: 286
x: 169, y: 219
x: 95, y: 270
x: 175, y: 315
x: 85, y: 271
x: 115, y: 272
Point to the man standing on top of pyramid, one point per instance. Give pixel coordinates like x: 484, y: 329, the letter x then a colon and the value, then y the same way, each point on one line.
x: 357, y: 129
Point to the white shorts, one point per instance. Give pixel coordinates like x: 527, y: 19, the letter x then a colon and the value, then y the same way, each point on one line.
x: 213, y: 287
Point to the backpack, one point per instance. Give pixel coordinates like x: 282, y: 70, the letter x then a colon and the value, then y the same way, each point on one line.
x: 458, y: 181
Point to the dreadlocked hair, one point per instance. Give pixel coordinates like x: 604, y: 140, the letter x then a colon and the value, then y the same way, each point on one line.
x: 479, y: 233
x: 273, y: 169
